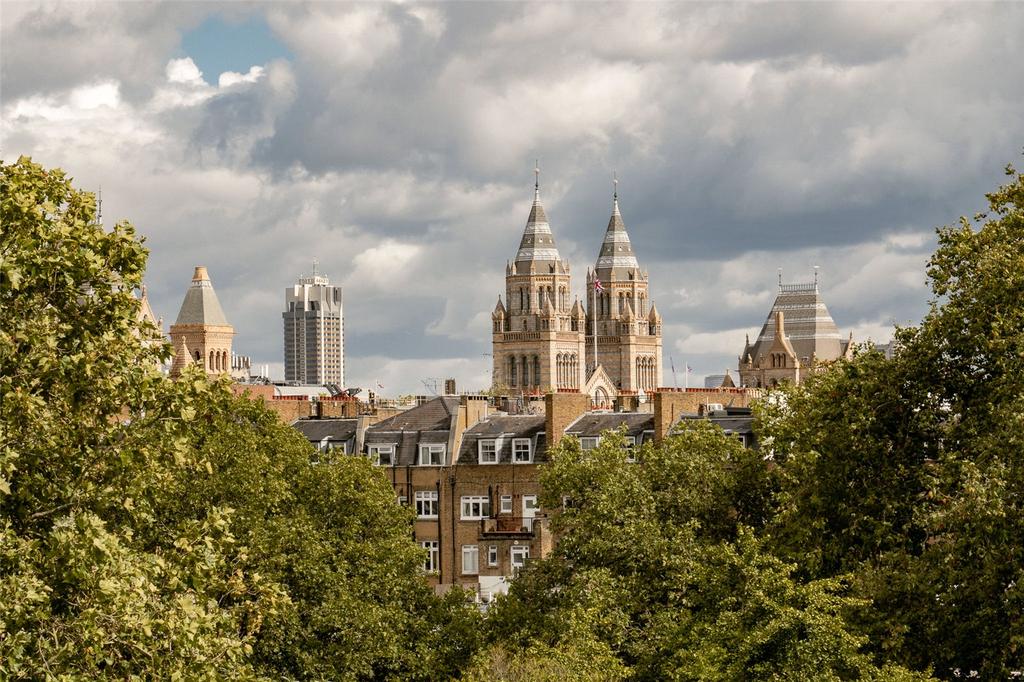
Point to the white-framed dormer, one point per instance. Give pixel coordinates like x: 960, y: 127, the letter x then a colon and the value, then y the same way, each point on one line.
x: 522, y: 451
x: 431, y: 454
x: 382, y: 454
x: 589, y: 442
x: 488, y: 450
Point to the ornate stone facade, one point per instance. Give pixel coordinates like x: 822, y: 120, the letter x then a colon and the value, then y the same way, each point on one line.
x: 627, y: 323
x: 538, y: 335
x: 798, y: 334
x: 201, y: 334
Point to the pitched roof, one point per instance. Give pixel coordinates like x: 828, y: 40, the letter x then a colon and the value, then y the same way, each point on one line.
x: 433, y: 415
x: 537, y: 243
x: 596, y: 423
x: 316, y: 430
x: 503, y: 428
x: 808, y: 325
x: 201, y: 305
x: 616, y: 250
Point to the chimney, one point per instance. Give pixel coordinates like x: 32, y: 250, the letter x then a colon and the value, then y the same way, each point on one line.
x: 560, y: 410
x: 780, y: 325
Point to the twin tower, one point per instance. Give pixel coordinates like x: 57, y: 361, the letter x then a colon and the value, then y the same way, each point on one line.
x: 544, y: 339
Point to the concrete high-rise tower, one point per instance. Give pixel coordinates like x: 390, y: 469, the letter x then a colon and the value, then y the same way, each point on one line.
x: 314, y: 332
x: 201, y: 334
x: 537, y: 339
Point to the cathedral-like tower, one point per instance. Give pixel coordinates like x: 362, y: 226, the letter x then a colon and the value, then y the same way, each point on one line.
x: 201, y: 334
x: 538, y: 337
x: 628, y: 326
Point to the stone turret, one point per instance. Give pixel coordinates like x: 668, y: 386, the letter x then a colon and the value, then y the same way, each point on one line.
x: 540, y: 345
x: 201, y: 328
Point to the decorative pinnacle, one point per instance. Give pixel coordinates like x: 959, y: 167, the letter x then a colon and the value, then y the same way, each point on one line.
x: 780, y: 278
x: 536, y: 174
x: 816, y: 268
x: 615, y: 183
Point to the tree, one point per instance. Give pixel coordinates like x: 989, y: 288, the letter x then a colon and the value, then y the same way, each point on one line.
x: 908, y: 473
x: 659, y: 565
x: 160, y: 529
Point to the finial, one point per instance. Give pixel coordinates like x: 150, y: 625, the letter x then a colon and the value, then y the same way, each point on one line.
x: 536, y: 174
x: 816, y: 267
x: 780, y: 278
x: 615, y: 183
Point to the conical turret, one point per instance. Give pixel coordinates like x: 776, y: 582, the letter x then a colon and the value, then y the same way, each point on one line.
x: 537, y: 251
x: 616, y: 260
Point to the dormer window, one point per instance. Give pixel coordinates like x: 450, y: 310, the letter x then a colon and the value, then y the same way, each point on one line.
x: 522, y: 451
x: 487, y: 451
x: 382, y: 455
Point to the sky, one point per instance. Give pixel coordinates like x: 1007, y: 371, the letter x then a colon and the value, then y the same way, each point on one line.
x: 395, y: 144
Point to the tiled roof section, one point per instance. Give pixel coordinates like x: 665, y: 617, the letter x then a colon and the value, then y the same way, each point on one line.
x: 809, y: 326
x: 430, y: 422
x: 433, y: 415
x: 201, y: 305
x: 596, y: 423
x: 616, y: 250
x: 316, y: 430
x: 504, y: 428
x: 538, y: 243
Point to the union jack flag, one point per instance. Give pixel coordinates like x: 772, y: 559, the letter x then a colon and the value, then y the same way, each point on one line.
x: 597, y: 285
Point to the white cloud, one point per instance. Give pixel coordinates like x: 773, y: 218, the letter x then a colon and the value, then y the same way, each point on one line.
x: 184, y: 70
x: 229, y: 78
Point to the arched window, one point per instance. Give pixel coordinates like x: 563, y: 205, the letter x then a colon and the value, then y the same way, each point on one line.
x: 211, y: 366
x: 512, y: 371
x: 198, y: 357
x: 536, y: 370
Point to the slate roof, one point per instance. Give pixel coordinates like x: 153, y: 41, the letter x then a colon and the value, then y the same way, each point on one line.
x: 200, y: 305
x: 808, y: 325
x: 504, y: 428
x: 538, y: 243
x: 316, y: 430
x: 616, y: 249
x: 596, y: 423
x: 431, y: 422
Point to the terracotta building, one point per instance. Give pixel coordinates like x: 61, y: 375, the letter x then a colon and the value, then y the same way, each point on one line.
x: 798, y: 335
x: 627, y: 348
x: 201, y: 334
x: 537, y: 335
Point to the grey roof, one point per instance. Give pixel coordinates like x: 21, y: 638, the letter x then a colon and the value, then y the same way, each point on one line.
x: 316, y: 430
x: 596, y: 423
x: 808, y: 324
x: 505, y: 427
x: 201, y: 305
x: 430, y: 422
x: 616, y: 250
x: 538, y: 243
x: 432, y: 415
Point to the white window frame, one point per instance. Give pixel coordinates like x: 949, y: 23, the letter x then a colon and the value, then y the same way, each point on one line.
x: 589, y: 442
x: 506, y: 504
x: 475, y: 507
x: 492, y: 555
x: 493, y: 443
x: 432, y: 564
x: 431, y: 449
x: 403, y: 500
x: 516, y: 443
x: 520, y: 551
x: 376, y: 450
x: 429, y: 500
x: 470, y: 560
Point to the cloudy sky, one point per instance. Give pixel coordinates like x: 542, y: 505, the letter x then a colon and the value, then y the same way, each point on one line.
x: 396, y: 145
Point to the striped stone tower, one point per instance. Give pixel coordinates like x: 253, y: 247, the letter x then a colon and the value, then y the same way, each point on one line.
x: 798, y: 334
x: 201, y: 334
x: 538, y: 334
x: 628, y: 326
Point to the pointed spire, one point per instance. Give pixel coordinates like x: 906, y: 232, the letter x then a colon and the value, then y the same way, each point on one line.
x: 616, y: 258
x: 537, y: 244
x: 200, y: 305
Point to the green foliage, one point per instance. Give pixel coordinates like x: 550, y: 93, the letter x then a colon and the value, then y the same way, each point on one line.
x: 170, y: 530
x: 908, y: 475
x: 658, y: 565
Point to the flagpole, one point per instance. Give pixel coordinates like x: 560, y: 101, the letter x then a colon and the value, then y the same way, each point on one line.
x: 686, y: 376
x: 593, y: 307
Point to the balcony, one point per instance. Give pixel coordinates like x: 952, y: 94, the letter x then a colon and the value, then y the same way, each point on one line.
x: 513, y: 527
